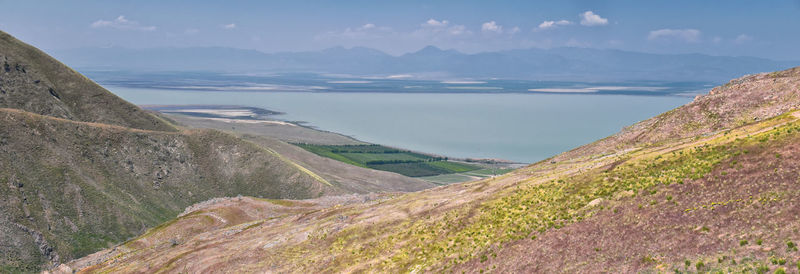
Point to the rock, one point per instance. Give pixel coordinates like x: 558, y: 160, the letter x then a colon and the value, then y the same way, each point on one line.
x: 53, y: 92
x: 595, y: 202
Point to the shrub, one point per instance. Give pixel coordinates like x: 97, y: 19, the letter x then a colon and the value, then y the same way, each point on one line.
x: 759, y: 241
x: 699, y: 265
x: 780, y: 270
x: 742, y: 242
x: 791, y: 245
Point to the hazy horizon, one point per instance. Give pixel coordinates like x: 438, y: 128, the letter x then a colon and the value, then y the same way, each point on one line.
x: 663, y: 27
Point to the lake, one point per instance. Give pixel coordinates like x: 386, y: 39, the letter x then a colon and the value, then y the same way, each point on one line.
x: 512, y: 126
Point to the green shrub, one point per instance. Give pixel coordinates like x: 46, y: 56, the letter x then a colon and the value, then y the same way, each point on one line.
x: 759, y: 241
x: 742, y: 242
x: 780, y: 271
x: 699, y: 265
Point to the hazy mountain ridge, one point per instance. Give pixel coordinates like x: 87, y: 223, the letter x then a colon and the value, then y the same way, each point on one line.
x: 714, y: 199
x: 575, y: 64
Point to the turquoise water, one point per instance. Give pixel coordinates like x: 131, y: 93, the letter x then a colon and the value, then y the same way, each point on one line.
x: 519, y: 127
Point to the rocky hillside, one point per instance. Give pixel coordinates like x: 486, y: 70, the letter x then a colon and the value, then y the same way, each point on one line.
x: 720, y: 197
x: 31, y: 80
x: 70, y: 188
x: 82, y: 170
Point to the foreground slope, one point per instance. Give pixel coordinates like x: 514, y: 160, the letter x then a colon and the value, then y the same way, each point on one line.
x: 716, y: 199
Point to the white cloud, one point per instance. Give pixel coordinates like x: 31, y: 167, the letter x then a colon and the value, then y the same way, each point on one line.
x: 589, y: 18
x: 743, y: 38
x: 121, y: 23
x: 686, y: 35
x: 366, y: 31
x: 434, y: 27
x: 514, y: 30
x: 435, y: 23
x: 457, y: 30
x: 552, y: 24
x: 229, y: 26
x: 492, y: 26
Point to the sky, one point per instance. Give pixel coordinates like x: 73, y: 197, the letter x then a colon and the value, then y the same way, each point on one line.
x: 769, y: 28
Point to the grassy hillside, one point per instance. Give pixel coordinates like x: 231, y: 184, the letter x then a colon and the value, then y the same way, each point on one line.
x: 31, y: 80
x: 85, y: 186
x: 665, y: 198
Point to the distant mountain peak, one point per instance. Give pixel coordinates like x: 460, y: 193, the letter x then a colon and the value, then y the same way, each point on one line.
x: 357, y: 50
x: 431, y: 49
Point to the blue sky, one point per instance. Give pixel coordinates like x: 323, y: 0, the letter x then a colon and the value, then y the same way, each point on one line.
x: 754, y: 28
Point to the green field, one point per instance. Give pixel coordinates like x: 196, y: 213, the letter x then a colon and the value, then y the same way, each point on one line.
x: 489, y: 172
x: 379, y: 157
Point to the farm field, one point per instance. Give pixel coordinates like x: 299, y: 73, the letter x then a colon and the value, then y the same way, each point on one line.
x: 379, y: 157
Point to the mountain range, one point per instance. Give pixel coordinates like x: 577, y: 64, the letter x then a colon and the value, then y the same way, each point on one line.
x: 572, y: 64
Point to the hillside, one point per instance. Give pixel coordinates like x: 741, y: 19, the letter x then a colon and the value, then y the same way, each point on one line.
x: 82, y: 170
x: 716, y: 198
x: 31, y: 80
x: 74, y: 187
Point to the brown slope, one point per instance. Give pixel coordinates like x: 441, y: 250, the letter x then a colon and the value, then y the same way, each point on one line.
x: 33, y: 81
x: 739, y: 102
x: 70, y: 188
